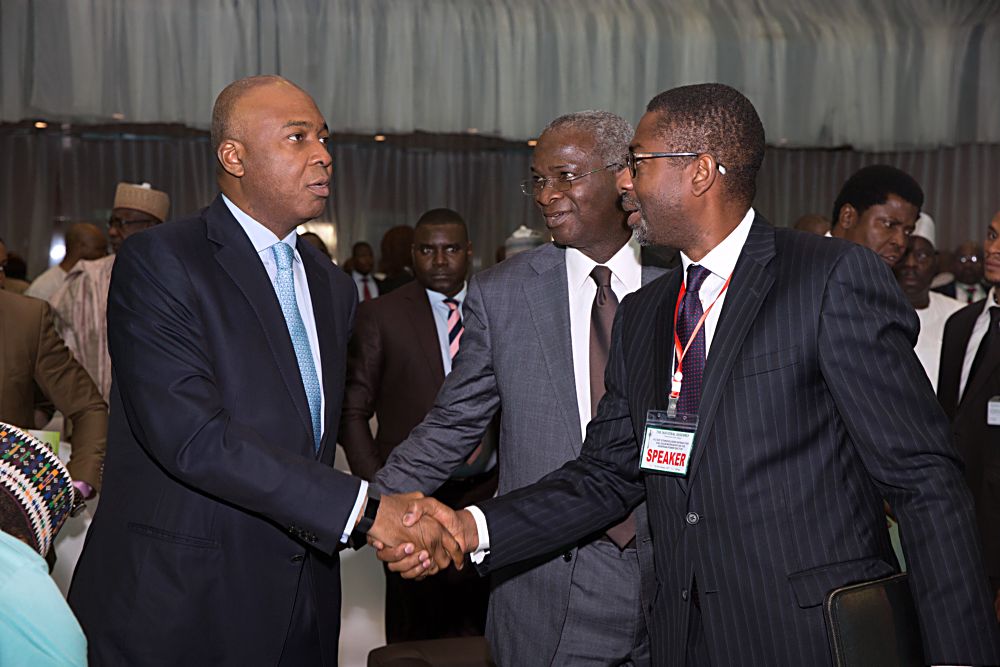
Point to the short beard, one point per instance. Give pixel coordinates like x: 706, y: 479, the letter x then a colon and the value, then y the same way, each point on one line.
x: 641, y: 232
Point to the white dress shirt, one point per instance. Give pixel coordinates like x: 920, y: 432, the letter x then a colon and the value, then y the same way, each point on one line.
x: 361, y: 280
x: 978, y: 332
x: 626, y: 277
x: 262, y: 239
x: 720, y: 260
x: 441, y: 313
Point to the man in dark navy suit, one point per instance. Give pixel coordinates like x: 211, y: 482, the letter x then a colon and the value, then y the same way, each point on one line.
x: 217, y: 535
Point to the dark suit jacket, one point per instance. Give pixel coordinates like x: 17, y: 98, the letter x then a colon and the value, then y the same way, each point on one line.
x: 212, y: 491
x: 394, y: 371
x: 813, y: 409
x: 978, y: 443
x: 32, y: 355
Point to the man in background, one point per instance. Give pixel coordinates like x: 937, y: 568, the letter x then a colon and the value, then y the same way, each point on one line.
x: 362, y: 263
x: 397, y: 258
x: 969, y: 390
x: 401, y: 350
x: 878, y: 207
x: 34, y: 358
x: 813, y: 223
x: 83, y: 241
x: 967, y: 269
x: 914, y: 273
x: 81, y: 303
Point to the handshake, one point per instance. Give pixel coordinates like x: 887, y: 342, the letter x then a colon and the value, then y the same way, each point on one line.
x: 418, y: 537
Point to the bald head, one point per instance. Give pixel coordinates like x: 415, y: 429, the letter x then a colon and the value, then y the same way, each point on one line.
x: 83, y: 241
x: 225, y: 117
x: 814, y: 223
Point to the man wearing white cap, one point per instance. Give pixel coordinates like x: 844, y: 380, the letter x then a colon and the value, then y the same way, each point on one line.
x: 82, y: 301
x: 915, y: 271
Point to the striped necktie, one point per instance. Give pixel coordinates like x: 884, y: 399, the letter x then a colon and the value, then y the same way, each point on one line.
x: 455, y: 327
x: 284, y: 285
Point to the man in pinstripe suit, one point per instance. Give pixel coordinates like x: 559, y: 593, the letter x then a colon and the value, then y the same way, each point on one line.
x: 811, y: 408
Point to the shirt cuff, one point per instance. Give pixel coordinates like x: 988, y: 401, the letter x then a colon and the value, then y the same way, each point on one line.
x: 86, y: 490
x: 483, y: 548
x: 359, y: 505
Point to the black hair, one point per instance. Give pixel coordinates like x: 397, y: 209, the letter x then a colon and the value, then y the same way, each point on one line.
x: 719, y: 120
x: 872, y: 185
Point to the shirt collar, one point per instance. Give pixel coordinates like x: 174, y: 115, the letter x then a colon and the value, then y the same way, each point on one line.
x: 721, y: 260
x: 260, y: 236
x: 437, y: 297
x: 624, y: 265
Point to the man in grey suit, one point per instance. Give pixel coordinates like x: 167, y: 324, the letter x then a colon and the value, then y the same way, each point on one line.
x: 532, y: 348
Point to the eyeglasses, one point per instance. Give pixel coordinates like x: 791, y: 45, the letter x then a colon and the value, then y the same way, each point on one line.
x: 633, y: 158
x: 968, y: 259
x: 117, y: 223
x: 534, y: 186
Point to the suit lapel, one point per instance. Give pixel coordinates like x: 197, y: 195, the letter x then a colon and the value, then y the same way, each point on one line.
x: 991, y: 362
x: 751, y: 283
x: 424, y: 329
x: 951, y: 367
x: 548, y: 305
x: 237, y: 257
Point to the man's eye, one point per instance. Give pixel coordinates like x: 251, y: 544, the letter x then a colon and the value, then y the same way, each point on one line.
x: 295, y: 137
x: 324, y: 140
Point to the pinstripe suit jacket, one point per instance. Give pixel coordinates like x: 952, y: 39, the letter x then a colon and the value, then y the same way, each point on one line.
x: 517, y: 357
x: 813, y: 409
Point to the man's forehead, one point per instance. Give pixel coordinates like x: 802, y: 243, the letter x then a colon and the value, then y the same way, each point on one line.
x: 647, y: 131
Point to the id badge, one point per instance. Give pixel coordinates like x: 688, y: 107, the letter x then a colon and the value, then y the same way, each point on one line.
x: 667, y: 443
x: 993, y: 411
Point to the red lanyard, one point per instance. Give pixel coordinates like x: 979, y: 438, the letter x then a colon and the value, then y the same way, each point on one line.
x: 678, y: 377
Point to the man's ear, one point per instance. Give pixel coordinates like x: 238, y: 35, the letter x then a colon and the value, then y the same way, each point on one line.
x: 848, y: 216
x: 230, y: 155
x: 706, y: 171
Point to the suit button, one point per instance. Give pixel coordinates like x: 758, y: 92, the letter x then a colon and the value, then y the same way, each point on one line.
x: 567, y: 556
x: 692, y: 518
x: 684, y: 594
x: 297, y: 558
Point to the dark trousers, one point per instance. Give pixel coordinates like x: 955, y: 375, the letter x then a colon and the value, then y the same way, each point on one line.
x: 451, y: 603
x: 302, y: 646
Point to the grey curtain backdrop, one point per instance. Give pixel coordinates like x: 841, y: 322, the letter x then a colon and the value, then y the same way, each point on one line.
x: 48, y: 179
x: 882, y: 75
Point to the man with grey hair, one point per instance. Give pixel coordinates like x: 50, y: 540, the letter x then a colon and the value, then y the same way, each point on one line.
x: 534, y: 347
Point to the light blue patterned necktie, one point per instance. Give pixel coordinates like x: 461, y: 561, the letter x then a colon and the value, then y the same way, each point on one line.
x: 284, y: 285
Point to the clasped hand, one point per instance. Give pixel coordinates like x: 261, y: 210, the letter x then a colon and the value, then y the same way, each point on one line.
x: 418, y: 536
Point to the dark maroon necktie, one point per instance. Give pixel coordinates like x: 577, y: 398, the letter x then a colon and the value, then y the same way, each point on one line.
x: 602, y: 316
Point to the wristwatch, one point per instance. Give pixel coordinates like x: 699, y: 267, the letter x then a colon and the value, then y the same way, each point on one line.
x: 359, y: 536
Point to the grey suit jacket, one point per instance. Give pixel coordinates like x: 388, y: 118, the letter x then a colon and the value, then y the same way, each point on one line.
x: 516, y: 354
x: 813, y: 409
